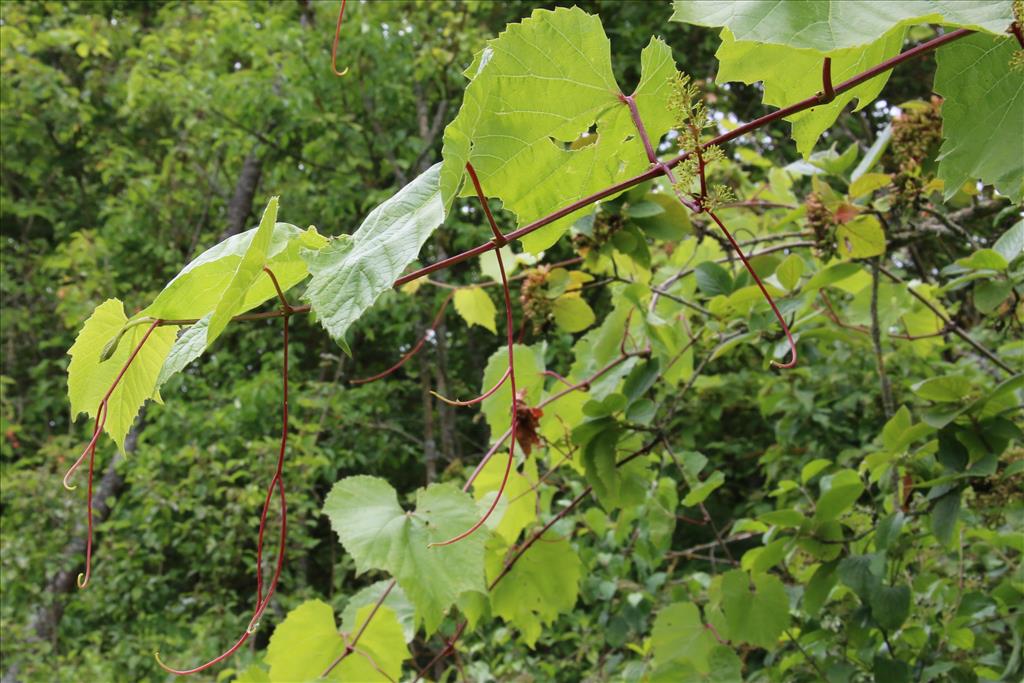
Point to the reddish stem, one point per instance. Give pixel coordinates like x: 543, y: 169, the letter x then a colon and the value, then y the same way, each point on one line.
x: 334, y: 46
x: 350, y: 647
x: 768, y: 297
x: 482, y: 397
x: 828, y: 93
x: 415, y: 349
x: 101, y: 420
x: 499, y: 238
x: 262, y: 601
x: 515, y: 417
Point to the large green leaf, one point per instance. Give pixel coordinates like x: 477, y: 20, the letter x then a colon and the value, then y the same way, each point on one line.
x: 352, y: 272
x: 982, y: 114
x: 379, y: 534
x: 790, y: 75
x: 757, y: 616
x: 89, y: 378
x: 246, y: 273
x: 827, y: 25
x: 536, y: 90
x: 200, y: 285
x: 542, y: 584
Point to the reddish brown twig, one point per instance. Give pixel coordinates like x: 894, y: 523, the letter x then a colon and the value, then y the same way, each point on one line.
x: 415, y: 349
x: 334, y: 46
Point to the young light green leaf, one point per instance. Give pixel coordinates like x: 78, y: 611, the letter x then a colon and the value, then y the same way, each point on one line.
x: 307, y: 642
x: 89, y: 378
x: 827, y: 25
x: 982, y: 114
x: 497, y: 408
x: 476, y: 307
x: 679, y: 634
x: 573, y: 313
x: 304, y: 644
x: 862, y: 237
x: 351, y: 273
x: 541, y: 585
x: 489, y: 263
x: 248, y: 270
x: 526, y: 107
x: 757, y: 616
x: 789, y: 271
x: 984, y: 259
x: 379, y: 534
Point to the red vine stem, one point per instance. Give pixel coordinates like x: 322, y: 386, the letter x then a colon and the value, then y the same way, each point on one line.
x: 90, y: 450
x: 415, y: 349
x: 482, y: 397
x: 334, y: 46
x: 828, y: 93
x: 351, y: 646
x: 764, y: 290
x: 514, y: 411
x: 664, y: 168
x: 278, y: 481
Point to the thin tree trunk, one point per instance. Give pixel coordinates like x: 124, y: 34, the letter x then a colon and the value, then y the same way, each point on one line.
x: 240, y: 207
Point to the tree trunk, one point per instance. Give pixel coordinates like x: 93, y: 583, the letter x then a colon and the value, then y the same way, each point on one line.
x: 240, y: 206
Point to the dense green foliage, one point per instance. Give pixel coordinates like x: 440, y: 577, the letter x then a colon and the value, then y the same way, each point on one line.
x: 683, y: 511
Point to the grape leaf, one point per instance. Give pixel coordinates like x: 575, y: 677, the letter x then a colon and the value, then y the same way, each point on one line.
x: 89, y: 378
x: 535, y: 91
x: 542, y: 584
x: 760, y: 616
x: 200, y: 285
x: 352, y: 272
x: 827, y: 25
x: 379, y: 534
x: 982, y: 115
x: 248, y: 270
x: 790, y: 75
x: 679, y: 634
x: 304, y: 644
x: 476, y: 307
x: 307, y: 642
